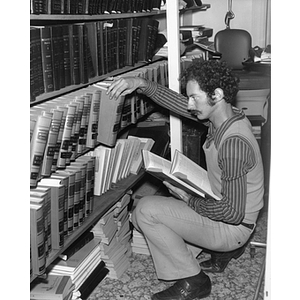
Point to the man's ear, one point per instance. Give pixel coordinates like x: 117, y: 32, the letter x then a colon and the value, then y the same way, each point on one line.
x: 218, y: 95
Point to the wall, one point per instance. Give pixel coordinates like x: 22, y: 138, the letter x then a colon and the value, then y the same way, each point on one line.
x: 251, y: 15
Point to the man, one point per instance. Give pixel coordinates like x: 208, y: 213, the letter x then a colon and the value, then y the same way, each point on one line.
x: 235, y: 171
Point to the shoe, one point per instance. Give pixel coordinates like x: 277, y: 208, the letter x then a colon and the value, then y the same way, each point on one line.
x: 219, y: 260
x: 198, y: 286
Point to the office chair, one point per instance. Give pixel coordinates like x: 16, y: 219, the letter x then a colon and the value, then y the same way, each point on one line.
x: 234, y: 46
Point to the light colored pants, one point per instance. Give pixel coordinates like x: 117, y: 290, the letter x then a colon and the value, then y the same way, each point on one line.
x: 169, y: 225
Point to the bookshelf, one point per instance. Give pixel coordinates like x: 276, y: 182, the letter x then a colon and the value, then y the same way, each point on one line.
x: 107, y: 200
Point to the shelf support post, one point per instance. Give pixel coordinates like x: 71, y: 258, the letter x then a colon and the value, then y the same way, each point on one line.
x: 174, y: 70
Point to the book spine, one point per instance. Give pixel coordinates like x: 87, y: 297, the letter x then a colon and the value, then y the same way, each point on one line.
x: 92, y: 130
x: 100, y: 47
x: 75, y: 247
x: 76, y: 55
x: 77, y: 199
x: 59, y: 137
x: 76, y: 128
x: 109, y: 127
x: 37, y: 147
x: 52, y: 141
x: 79, y: 130
x: 57, y: 217
x: 66, y: 55
x: 37, y: 239
x: 64, y: 148
x: 46, y: 53
x: 73, y: 139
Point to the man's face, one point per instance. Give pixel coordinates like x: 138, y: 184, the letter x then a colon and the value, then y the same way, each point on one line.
x: 198, y: 101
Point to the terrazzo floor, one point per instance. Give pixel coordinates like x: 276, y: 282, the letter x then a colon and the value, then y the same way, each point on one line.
x: 238, y: 281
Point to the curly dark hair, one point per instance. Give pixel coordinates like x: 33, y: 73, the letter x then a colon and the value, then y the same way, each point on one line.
x: 212, y: 74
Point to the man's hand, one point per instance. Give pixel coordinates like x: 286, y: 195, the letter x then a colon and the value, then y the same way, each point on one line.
x: 177, y: 192
x: 124, y: 86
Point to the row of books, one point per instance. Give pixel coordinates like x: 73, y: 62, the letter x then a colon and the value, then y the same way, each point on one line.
x: 58, y: 206
x: 115, y: 233
x: 68, y: 126
x: 93, y: 7
x: 72, y: 54
x: 116, y: 163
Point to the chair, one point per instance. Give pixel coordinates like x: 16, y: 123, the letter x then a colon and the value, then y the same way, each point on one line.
x: 254, y: 88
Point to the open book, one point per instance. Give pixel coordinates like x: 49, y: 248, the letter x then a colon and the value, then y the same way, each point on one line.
x: 181, y: 172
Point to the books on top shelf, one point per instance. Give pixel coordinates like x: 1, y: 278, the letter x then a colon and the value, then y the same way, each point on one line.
x: 93, y: 7
x: 73, y: 54
x: 181, y: 172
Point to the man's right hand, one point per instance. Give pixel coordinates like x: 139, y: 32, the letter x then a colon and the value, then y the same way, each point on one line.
x: 122, y: 86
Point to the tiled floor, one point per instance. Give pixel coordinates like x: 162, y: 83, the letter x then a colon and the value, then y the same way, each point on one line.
x: 238, y: 281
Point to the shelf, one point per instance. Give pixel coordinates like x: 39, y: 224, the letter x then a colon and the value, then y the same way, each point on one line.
x: 193, y: 8
x: 47, y: 17
x: 101, y: 205
x: 48, y: 96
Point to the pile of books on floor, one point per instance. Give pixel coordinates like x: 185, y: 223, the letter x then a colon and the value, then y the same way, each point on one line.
x: 114, y: 231
x: 139, y: 244
x: 85, y: 267
x: 75, y: 274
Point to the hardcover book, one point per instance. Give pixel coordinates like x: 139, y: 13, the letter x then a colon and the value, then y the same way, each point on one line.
x: 181, y: 172
x: 54, y: 288
x: 109, y: 124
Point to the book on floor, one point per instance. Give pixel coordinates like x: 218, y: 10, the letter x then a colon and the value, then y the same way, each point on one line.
x: 181, y: 172
x: 52, y: 288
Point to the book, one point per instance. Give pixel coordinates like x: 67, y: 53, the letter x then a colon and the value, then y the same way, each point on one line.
x: 56, y: 118
x: 74, y: 54
x: 66, y: 54
x: 46, y: 193
x: 93, y: 280
x: 147, y: 41
x: 37, y: 146
x: 109, y: 124
x: 35, y: 198
x: 46, y: 54
x: 80, y: 265
x: 68, y: 180
x: 102, y: 154
x: 37, y: 236
x: 181, y: 172
x: 54, y: 288
x: 90, y: 182
x: 57, y: 210
x: 57, y: 57
x: 137, y: 161
x: 92, y: 129
x: 64, y: 151
x: 82, y: 166
x: 77, y: 245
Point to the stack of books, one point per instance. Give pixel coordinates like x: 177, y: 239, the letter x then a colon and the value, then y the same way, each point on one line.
x: 114, y: 231
x: 139, y: 244
x: 81, y: 266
